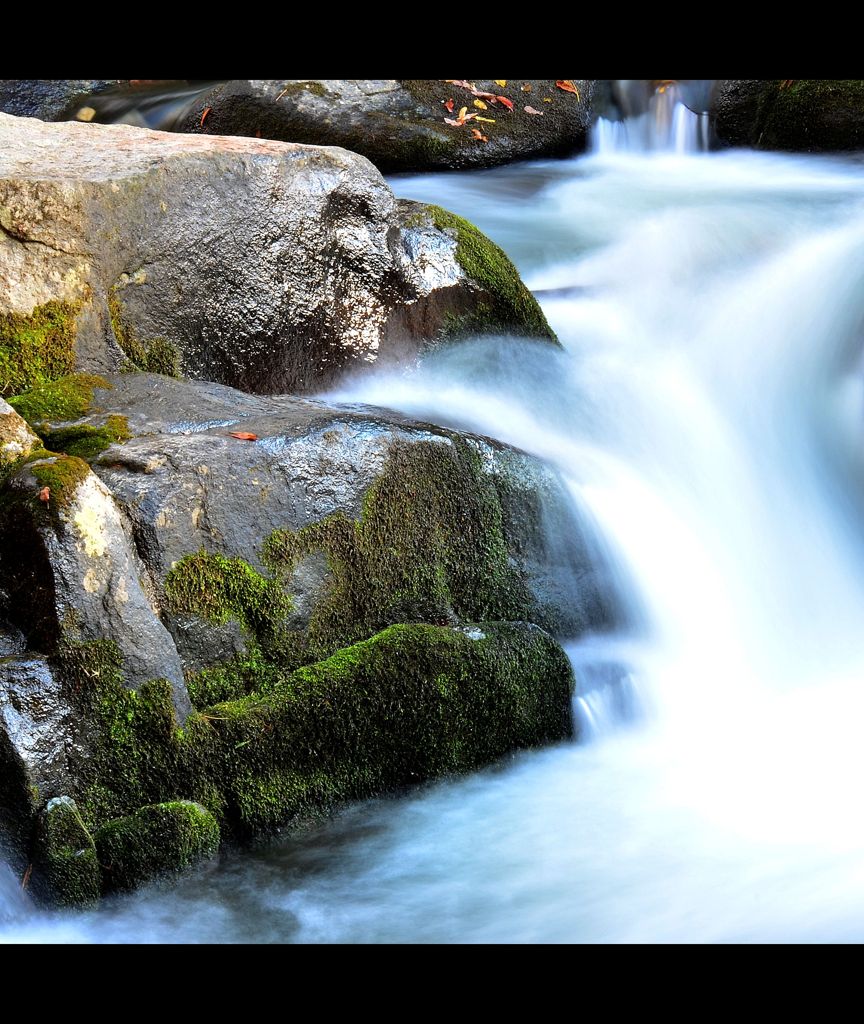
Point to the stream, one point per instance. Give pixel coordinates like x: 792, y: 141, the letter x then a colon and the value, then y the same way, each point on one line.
x: 706, y: 413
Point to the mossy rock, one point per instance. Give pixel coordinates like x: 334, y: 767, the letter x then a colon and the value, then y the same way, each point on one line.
x: 66, y: 865
x: 155, y: 841
x: 68, y: 398
x: 37, y: 347
x: 806, y: 115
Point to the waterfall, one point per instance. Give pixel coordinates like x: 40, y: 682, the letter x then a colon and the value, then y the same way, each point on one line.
x: 646, y: 117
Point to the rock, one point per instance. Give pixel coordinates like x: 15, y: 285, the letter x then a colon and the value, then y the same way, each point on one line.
x: 155, y: 841
x: 399, y: 124
x: 267, y: 266
x: 50, y: 99
x: 806, y: 115
x: 91, y: 583
x: 16, y: 438
x: 67, y: 871
x: 36, y: 737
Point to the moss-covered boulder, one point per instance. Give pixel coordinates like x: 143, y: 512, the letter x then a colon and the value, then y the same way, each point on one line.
x: 67, y: 868
x: 156, y: 841
x: 807, y: 115
x: 112, y: 256
x: 401, y: 124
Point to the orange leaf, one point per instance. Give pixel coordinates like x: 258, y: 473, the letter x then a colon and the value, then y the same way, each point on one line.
x: 507, y: 103
x: 45, y: 494
x: 531, y: 110
x: 477, y: 134
x: 448, y: 105
x: 243, y: 437
x: 204, y: 116
x: 568, y: 86
x: 526, y: 87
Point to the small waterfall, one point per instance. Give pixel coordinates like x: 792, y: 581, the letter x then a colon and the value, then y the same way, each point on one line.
x: 645, y: 116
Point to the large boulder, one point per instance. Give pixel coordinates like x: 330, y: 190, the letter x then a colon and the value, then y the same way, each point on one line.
x: 399, y: 124
x: 267, y: 266
x: 808, y: 115
x: 315, y: 571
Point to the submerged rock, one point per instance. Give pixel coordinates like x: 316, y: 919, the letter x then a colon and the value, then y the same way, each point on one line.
x: 267, y: 266
x: 802, y: 114
x: 399, y: 124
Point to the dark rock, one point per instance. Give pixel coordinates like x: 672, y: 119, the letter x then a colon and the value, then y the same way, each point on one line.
x: 804, y: 115
x: 267, y: 266
x: 399, y: 123
x: 50, y: 99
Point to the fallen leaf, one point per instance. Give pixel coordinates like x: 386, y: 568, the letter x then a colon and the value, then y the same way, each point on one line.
x: 241, y: 436
x: 204, y: 116
x: 568, y: 86
x: 453, y: 121
x: 86, y: 114
x: 462, y: 112
x: 258, y: 134
x: 507, y: 103
x: 449, y: 105
x: 480, y: 104
x: 477, y: 134
x: 526, y: 87
x: 503, y: 81
x: 25, y: 881
x: 459, y: 82
x: 45, y: 494
x: 547, y: 99
x: 531, y: 110
x: 486, y: 95
x: 485, y: 120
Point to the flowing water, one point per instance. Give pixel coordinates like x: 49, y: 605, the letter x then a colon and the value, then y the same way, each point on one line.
x: 707, y: 414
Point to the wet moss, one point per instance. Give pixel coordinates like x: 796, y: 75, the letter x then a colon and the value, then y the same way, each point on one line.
x: 811, y: 114
x: 84, y: 441
x: 157, y: 840
x: 63, y: 474
x: 156, y: 355
x: 428, y: 547
x: 219, y: 589
x: 66, y: 867
x: 38, y: 347
x: 68, y: 398
x: 510, y: 308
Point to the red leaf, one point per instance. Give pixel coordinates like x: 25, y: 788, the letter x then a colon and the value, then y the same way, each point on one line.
x: 204, y: 116
x: 45, y: 494
x: 531, y: 110
x: 243, y: 437
x: 449, y: 105
x: 568, y: 86
x: 507, y: 103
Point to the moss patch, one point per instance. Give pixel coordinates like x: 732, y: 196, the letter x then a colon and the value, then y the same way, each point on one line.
x: 511, y: 308
x: 67, y: 868
x: 161, y: 839
x: 157, y: 355
x: 428, y: 547
x: 38, y: 347
x: 84, y: 441
x: 68, y: 398
x: 63, y: 474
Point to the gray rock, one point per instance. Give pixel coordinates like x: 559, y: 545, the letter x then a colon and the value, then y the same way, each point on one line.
x: 798, y: 115
x: 91, y: 583
x: 267, y: 266
x: 16, y: 438
x: 399, y: 124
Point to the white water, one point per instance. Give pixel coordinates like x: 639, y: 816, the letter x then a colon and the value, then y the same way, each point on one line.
x: 708, y: 411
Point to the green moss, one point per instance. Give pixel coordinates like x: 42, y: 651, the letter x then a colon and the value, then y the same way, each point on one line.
x: 67, y: 869
x: 161, y: 839
x: 68, y: 398
x: 157, y: 355
x: 428, y: 547
x: 84, y: 441
x: 297, y: 88
x: 219, y: 589
x: 63, y: 474
x: 38, y: 347
x: 511, y: 308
